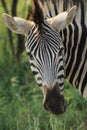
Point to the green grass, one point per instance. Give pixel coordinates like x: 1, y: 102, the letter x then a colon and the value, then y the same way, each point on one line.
x: 21, y: 103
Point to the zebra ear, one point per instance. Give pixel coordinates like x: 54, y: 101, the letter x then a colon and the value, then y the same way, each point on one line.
x: 63, y: 19
x: 17, y: 25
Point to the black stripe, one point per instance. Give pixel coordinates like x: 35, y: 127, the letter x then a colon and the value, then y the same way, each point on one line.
x: 82, y: 12
x: 33, y: 65
x: 61, y: 68
x: 60, y: 76
x: 50, y: 53
x: 30, y: 36
x: 84, y: 83
x: 38, y: 69
x: 53, y: 48
x: 49, y: 10
x: 69, y: 50
x: 61, y: 84
x: 64, y: 42
x: 30, y: 56
x: 59, y: 63
x: 36, y: 49
x: 35, y: 72
x: 34, y: 41
x: 39, y: 50
x: 73, y: 49
x: 55, y: 8
x: 81, y: 72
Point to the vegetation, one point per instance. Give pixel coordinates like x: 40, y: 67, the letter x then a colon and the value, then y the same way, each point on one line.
x: 20, y: 97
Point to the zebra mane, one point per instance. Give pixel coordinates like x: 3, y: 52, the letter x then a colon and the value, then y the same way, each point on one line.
x: 37, y: 13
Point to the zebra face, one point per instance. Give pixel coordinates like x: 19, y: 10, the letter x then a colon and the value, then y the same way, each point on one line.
x: 46, y: 52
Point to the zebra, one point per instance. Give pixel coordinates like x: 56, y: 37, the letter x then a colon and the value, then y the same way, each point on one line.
x: 57, y: 47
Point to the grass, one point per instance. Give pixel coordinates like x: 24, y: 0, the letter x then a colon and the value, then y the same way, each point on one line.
x: 21, y: 103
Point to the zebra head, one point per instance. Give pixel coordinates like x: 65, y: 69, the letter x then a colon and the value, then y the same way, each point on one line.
x: 46, y: 52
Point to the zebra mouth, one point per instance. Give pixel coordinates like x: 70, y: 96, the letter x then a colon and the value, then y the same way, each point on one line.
x: 54, y: 102
x: 55, y: 107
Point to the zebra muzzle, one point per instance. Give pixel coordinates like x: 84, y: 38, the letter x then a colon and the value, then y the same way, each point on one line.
x: 54, y: 102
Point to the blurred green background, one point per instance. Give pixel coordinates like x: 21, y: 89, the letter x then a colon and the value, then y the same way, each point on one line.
x: 20, y: 97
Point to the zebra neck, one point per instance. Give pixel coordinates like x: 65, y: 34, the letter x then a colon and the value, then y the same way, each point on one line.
x: 74, y: 40
x: 67, y: 35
